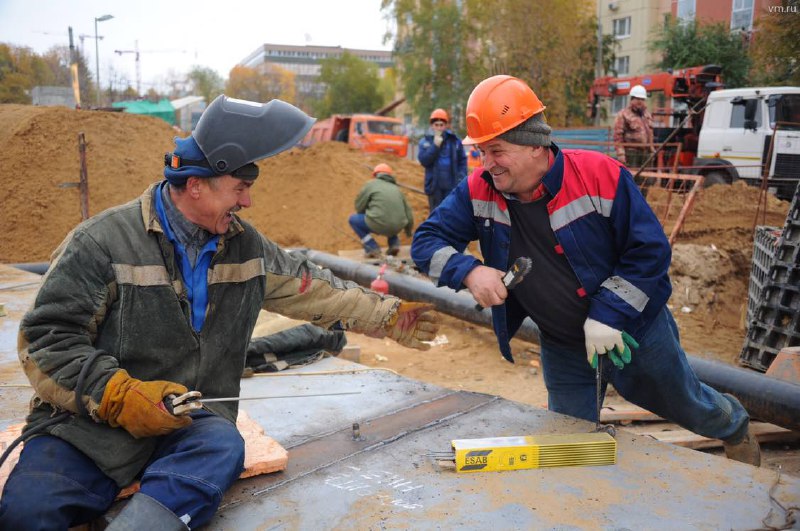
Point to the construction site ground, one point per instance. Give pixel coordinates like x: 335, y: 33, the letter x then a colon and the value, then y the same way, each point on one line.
x: 303, y: 199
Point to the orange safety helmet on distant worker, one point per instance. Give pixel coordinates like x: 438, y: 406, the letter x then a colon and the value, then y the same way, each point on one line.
x: 382, y: 168
x: 498, y: 104
x: 439, y: 114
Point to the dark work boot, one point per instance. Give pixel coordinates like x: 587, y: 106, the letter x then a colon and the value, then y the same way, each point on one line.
x: 393, y: 250
x: 747, y: 451
x: 144, y: 512
x: 372, y: 253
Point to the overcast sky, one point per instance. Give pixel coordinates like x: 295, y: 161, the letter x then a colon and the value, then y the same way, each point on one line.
x: 173, y: 35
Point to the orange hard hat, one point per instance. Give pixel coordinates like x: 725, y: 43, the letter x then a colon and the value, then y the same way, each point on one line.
x: 382, y: 168
x: 439, y: 114
x: 498, y: 104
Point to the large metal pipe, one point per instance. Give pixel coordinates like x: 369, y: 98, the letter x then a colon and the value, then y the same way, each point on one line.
x: 766, y: 398
x: 458, y: 304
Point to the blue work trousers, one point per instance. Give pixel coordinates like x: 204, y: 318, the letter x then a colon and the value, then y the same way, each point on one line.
x: 658, y: 378
x: 436, y: 197
x: 358, y: 222
x: 54, y: 486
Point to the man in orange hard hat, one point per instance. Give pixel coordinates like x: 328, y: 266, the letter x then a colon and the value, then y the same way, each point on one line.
x: 442, y: 154
x: 599, y: 284
x: 381, y: 208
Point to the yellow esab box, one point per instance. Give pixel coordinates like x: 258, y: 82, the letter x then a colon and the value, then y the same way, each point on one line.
x: 534, y: 451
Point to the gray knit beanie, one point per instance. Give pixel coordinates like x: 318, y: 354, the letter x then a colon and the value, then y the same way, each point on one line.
x: 532, y: 132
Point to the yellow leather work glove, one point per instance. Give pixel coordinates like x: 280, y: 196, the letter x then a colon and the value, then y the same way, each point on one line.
x: 137, y: 406
x: 412, y: 324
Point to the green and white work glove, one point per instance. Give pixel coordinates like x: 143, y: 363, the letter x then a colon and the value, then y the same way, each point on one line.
x: 602, y: 339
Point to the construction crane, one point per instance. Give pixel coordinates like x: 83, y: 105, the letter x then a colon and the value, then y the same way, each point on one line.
x: 81, y: 36
x: 136, y: 53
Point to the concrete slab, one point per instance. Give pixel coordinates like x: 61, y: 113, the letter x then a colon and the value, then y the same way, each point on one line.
x: 380, y: 478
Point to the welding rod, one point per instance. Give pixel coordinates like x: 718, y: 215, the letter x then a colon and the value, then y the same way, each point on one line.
x: 238, y: 398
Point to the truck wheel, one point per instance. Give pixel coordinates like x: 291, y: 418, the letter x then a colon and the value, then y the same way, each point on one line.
x: 715, y: 177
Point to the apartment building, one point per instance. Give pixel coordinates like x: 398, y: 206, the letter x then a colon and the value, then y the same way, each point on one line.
x: 306, y: 63
x: 635, y: 22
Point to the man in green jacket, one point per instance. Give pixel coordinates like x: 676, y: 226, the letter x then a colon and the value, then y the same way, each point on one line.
x: 381, y: 208
x: 156, y: 297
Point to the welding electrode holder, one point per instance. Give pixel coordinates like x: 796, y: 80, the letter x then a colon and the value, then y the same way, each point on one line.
x: 180, y: 405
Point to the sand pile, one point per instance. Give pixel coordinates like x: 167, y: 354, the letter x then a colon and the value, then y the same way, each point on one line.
x: 40, y: 152
x: 303, y: 197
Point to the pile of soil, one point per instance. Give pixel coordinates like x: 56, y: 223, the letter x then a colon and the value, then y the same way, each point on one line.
x: 304, y: 197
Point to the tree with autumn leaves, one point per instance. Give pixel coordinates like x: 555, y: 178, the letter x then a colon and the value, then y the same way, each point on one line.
x: 443, y: 48
x: 264, y: 84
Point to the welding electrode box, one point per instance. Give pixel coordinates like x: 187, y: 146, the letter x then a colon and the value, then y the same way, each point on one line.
x: 535, y: 451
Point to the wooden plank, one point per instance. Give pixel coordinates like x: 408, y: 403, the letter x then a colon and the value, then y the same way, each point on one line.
x: 673, y: 434
x: 626, y: 413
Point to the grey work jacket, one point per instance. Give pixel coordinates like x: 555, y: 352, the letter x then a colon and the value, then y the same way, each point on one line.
x: 114, y: 286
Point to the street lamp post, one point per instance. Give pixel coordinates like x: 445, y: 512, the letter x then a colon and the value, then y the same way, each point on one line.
x: 97, y: 51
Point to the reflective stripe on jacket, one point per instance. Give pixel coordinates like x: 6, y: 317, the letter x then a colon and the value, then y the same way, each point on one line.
x: 607, y: 231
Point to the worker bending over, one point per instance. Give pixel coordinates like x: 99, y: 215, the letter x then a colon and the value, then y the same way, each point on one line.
x: 599, y: 283
x: 381, y: 208
x: 156, y: 297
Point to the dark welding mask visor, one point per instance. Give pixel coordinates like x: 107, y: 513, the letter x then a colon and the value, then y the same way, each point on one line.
x: 248, y: 172
x: 233, y: 133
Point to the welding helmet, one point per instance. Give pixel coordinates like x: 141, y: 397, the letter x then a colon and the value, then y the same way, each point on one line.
x: 232, y: 134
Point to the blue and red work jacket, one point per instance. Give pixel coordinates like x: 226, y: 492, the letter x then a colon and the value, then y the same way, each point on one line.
x: 605, y: 228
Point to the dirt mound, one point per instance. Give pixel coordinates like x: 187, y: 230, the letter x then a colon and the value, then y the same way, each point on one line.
x: 304, y: 196
x: 711, y: 262
x: 302, y: 199
x: 725, y: 215
x: 40, y: 152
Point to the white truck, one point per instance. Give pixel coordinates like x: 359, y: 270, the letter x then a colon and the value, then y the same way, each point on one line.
x: 735, y: 140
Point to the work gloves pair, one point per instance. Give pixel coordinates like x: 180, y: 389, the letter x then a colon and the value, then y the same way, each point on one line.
x: 412, y: 324
x: 437, y: 139
x: 602, y: 339
x: 138, y: 406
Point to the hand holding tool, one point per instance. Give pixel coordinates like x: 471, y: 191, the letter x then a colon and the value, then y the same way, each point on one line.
x: 602, y: 339
x: 515, y: 274
x: 138, y: 406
